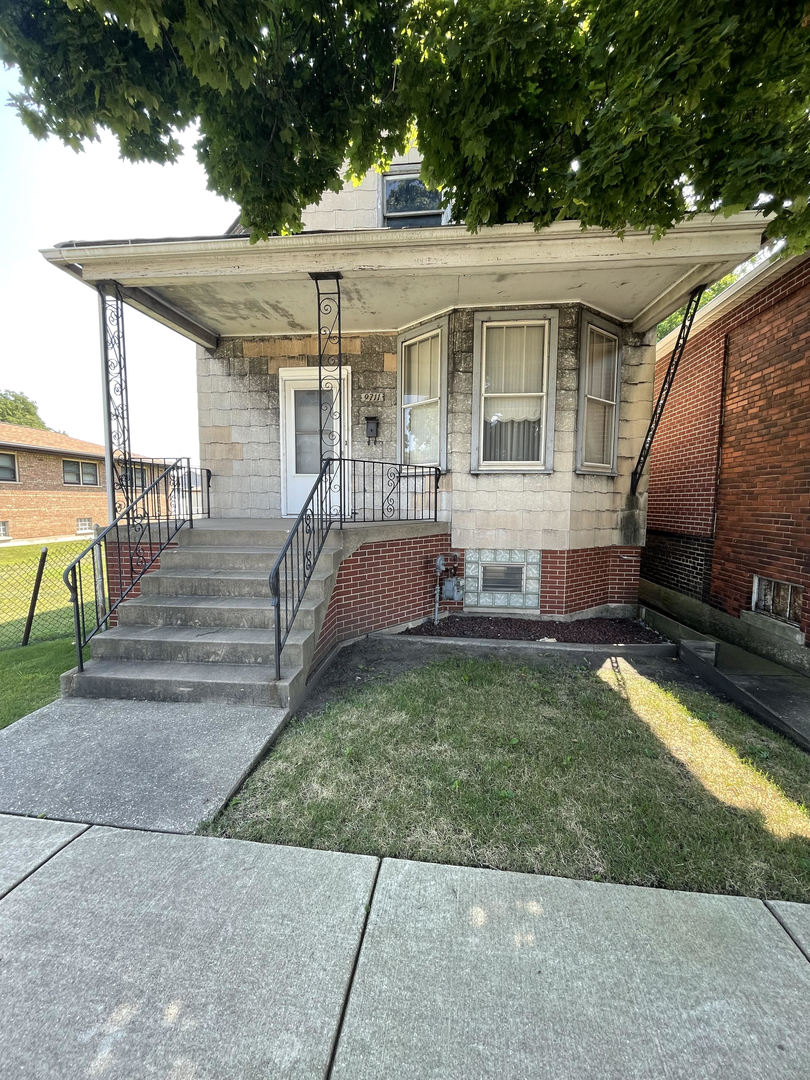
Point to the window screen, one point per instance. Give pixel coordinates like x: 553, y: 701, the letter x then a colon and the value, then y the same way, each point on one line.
x: 421, y: 375
x: 780, y: 599
x: 513, y: 387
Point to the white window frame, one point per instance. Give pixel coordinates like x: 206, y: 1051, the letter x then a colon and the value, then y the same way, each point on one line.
x: 590, y: 322
x: 80, y: 462
x: 409, y: 337
x: 528, y: 316
x: 13, y: 456
x: 407, y: 172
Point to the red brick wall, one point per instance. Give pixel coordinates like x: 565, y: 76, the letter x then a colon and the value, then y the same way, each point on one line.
x: 572, y: 581
x: 383, y: 584
x: 763, y: 506
x: 751, y: 496
x: 40, y: 504
x: 124, y: 563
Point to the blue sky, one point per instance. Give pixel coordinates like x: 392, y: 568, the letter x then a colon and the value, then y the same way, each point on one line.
x: 50, y: 347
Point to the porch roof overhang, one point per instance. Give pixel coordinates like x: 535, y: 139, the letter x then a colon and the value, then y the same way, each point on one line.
x: 208, y: 288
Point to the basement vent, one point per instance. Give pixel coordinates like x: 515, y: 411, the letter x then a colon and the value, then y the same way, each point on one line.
x: 502, y: 577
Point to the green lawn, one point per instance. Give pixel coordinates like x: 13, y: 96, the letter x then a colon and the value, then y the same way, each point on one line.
x: 30, y: 677
x: 53, y: 617
x: 605, y: 775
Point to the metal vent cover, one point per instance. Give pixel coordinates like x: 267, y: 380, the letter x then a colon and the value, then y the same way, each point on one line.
x: 502, y: 577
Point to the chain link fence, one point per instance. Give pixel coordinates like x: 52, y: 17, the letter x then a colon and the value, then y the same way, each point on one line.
x: 53, y: 613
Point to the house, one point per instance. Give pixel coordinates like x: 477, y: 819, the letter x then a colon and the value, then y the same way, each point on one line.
x: 50, y: 484
x: 728, y: 516
x: 428, y: 390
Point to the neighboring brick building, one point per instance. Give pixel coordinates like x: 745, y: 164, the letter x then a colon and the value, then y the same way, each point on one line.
x: 728, y: 522
x: 50, y: 484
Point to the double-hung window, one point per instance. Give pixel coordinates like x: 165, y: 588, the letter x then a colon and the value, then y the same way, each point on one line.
x: 80, y: 472
x: 409, y: 204
x: 514, y: 390
x: 422, y: 397
x: 8, y: 466
x: 598, y: 399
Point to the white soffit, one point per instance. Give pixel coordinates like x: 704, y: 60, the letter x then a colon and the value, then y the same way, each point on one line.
x: 394, y: 278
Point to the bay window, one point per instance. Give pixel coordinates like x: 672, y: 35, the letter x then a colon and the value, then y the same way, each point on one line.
x: 514, y: 390
x: 598, y: 401
x: 422, y: 398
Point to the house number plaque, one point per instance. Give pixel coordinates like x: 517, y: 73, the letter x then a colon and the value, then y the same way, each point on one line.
x: 369, y: 396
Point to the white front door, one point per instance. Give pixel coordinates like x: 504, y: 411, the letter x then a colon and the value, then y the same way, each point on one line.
x: 301, y: 433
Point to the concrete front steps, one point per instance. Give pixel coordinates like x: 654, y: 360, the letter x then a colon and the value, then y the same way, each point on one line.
x: 202, y: 628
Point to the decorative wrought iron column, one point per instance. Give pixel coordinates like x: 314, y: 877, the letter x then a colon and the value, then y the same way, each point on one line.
x: 330, y: 380
x: 118, y: 450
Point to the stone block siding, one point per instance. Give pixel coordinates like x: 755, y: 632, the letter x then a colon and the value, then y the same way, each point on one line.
x: 678, y: 562
x: 572, y: 581
x: 40, y: 504
x: 381, y: 585
x: 730, y: 460
x: 124, y: 561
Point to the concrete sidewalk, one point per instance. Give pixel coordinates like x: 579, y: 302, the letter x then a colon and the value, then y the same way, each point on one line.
x: 143, y: 955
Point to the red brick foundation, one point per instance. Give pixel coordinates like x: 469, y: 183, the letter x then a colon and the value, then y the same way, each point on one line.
x: 572, y: 581
x: 124, y: 562
x: 384, y: 584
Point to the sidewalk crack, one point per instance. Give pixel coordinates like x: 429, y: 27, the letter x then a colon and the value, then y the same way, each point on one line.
x: 787, y: 930
x: 47, y: 859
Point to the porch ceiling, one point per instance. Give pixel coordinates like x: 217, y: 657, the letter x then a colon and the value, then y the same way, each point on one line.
x: 225, y: 287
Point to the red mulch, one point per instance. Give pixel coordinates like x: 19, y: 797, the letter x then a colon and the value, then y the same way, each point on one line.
x: 586, y: 631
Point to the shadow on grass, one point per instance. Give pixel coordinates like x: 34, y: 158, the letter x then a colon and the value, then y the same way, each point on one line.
x: 553, y: 769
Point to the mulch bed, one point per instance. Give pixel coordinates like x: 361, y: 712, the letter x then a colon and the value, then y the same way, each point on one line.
x: 585, y: 631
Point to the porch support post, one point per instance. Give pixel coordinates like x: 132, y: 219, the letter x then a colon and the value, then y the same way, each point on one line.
x: 330, y: 380
x: 117, y: 447
x: 680, y: 344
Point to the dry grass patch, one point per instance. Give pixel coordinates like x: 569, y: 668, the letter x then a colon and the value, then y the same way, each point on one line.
x: 555, y: 770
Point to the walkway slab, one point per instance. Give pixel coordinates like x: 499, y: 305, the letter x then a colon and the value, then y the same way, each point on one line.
x: 140, y: 955
x: 140, y: 764
x: 26, y: 843
x: 796, y: 919
x: 476, y: 973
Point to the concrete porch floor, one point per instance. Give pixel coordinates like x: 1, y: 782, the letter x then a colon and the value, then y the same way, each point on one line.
x: 143, y: 955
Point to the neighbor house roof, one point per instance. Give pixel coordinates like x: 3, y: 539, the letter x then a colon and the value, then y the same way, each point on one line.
x: 18, y: 437
x: 215, y: 287
x: 734, y: 295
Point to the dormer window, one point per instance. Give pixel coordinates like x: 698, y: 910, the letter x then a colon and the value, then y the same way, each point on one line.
x: 408, y: 204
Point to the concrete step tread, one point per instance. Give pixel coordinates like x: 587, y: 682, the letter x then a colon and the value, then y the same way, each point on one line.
x: 223, y: 574
x: 236, y: 635
x: 246, y: 603
x: 156, y: 671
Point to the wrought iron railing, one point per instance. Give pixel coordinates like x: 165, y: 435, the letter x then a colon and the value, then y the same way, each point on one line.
x: 346, y: 490
x: 114, y: 563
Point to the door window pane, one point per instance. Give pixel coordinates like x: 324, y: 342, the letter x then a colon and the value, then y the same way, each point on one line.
x: 307, y: 431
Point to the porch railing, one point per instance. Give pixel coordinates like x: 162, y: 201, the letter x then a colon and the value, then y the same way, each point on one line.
x: 352, y: 491
x: 117, y: 559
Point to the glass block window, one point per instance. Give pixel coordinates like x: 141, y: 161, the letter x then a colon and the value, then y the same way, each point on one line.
x: 421, y: 400
x: 409, y: 204
x: 501, y: 578
x: 779, y: 599
x: 598, y: 401
x: 514, y: 375
x: 84, y: 525
x: 4, y: 533
x: 8, y: 466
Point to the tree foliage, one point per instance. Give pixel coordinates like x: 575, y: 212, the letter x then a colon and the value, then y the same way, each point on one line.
x: 18, y: 408
x: 609, y: 111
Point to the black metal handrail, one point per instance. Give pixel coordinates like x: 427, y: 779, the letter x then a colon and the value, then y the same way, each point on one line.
x: 140, y: 533
x: 346, y: 490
